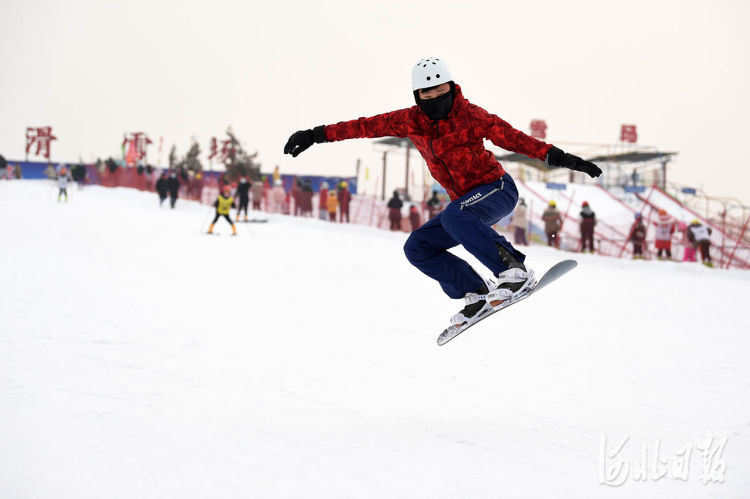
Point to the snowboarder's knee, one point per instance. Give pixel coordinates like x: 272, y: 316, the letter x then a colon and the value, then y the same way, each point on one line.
x: 411, y: 247
x: 418, y: 248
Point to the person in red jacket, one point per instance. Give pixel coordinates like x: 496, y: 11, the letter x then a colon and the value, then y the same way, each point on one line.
x: 588, y: 222
x: 449, y: 133
x: 414, y: 217
x: 638, y: 236
x: 344, y: 197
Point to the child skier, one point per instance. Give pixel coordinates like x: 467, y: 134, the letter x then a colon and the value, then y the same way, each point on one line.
x: 449, y: 131
x: 689, y: 253
x: 62, y: 183
x: 665, y: 227
x: 700, y: 236
x: 223, y: 205
x: 332, y: 205
x: 638, y: 236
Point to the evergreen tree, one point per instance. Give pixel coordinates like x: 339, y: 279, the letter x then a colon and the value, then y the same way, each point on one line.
x: 239, y: 162
x: 192, y: 158
x: 173, y: 156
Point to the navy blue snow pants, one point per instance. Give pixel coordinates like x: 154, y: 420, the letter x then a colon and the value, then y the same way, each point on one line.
x: 466, y: 221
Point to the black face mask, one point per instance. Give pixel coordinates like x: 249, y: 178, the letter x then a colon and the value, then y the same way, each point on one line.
x: 439, y: 107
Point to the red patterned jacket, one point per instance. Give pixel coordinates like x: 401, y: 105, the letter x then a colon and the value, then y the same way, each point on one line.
x: 453, y: 148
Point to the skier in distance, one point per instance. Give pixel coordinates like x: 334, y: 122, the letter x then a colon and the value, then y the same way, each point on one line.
x: 448, y: 131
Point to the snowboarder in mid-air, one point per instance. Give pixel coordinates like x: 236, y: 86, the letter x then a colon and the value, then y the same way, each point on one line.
x: 448, y: 131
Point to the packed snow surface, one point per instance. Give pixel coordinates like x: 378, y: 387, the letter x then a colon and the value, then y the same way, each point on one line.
x: 141, y: 358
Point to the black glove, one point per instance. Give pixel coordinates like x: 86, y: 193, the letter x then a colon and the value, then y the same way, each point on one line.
x: 558, y: 157
x: 299, y: 141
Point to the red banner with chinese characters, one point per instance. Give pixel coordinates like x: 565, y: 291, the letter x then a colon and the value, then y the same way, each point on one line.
x: 228, y: 152
x: 213, y: 149
x: 41, y: 136
x: 539, y: 129
x: 134, y: 145
x: 628, y: 133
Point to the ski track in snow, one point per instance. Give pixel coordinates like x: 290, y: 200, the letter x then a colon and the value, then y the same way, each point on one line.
x: 140, y: 358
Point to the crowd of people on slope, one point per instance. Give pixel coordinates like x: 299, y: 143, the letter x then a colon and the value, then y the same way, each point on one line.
x: 10, y: 171
x: 694, y: 236
x: 334, y: 205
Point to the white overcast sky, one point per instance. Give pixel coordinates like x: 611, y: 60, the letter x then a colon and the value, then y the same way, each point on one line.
x: 678, y: 70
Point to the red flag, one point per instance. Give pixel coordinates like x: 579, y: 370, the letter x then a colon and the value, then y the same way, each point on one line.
x: 628, y: 133
x: 539, y: 129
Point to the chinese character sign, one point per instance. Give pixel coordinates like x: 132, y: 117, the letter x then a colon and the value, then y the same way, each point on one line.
x: 628, y: 133
x: 41, y: 136
x: 228, y: 151
x: 213, y: 148
x: 539, y: 129
x: 135, y: 146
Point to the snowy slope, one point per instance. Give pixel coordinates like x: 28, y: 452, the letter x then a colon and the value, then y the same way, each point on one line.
x: 614, y: 217
x: 142, y: 358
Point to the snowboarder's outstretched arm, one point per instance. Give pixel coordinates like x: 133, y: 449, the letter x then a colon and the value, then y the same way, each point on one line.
x: 502, y: 134
x: 558, y: 157
x: 393, y: 124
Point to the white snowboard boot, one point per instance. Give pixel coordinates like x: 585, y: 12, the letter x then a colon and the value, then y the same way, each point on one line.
x: 511, y: 283
x: 476, y: 305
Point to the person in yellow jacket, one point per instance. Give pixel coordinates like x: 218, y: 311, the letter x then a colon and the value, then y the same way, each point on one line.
x: 332, y: 204
x: 223, y: 204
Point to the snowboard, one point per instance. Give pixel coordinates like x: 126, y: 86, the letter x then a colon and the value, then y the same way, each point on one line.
x: 554, y: 273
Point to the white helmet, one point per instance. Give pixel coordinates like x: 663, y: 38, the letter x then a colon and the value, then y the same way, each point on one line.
x: 429, y: 73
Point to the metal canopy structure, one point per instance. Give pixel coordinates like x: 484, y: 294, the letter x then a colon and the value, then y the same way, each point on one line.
x: 614, y: 156
x: 637, y: 156
x: 634, y: 157
x: 618, y: 158
x: 614, y: 160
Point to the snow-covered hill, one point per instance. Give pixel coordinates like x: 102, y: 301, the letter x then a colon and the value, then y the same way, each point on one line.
x: 142, y: 358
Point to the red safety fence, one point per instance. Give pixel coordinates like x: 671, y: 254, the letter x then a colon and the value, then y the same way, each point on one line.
x: 368, y: 210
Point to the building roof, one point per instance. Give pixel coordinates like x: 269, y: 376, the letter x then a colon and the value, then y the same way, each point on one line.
x: 642, y: 156
x: 619, y: 158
